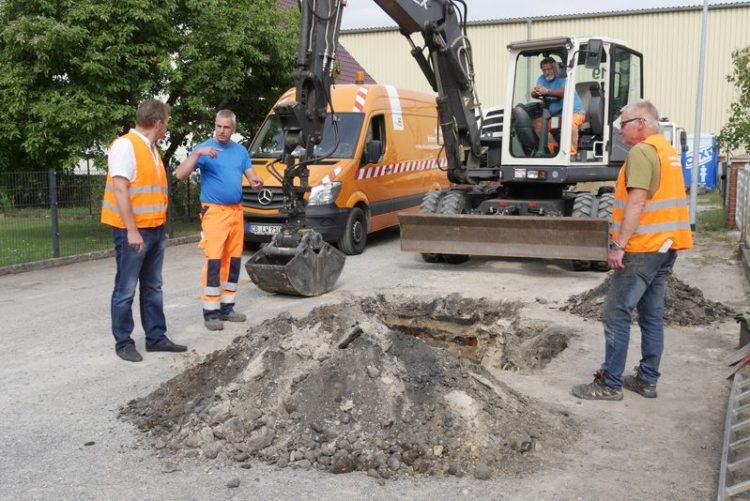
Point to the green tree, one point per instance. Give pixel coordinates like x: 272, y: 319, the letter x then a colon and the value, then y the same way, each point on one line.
x: 73, y: 71
x: 736, y: 133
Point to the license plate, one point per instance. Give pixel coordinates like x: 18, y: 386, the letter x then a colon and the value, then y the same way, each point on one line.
x: 263, y: 229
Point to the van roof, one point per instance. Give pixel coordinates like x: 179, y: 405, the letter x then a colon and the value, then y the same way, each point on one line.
x: 345, y: 96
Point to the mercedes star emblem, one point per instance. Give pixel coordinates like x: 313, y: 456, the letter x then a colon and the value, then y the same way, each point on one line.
x: 265, y: 196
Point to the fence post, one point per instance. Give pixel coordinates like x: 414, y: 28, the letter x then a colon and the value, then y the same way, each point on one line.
x: 170, y: 210
x: 53, y: 212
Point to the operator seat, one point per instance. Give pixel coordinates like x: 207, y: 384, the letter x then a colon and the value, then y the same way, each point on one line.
x: 592, y: 129
x: 524, y: 128
x: 593, y: 102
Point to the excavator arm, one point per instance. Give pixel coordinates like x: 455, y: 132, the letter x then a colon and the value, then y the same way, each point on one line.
x: 449, y: 69
x: 298, y: 261
x: 303, y: 119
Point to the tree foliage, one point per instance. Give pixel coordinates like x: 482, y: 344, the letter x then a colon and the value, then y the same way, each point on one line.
x: 73, y: 71
x: 735, y: 134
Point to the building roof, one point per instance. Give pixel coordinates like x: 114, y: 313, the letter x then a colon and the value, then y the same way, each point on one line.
x: 579, y: 15
x: 348, y: 65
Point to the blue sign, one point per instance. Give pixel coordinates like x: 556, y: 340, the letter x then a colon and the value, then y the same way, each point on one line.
x: 708, y: 161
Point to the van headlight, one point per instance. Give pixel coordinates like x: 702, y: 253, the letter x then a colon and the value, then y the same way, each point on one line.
x: 324, y: 194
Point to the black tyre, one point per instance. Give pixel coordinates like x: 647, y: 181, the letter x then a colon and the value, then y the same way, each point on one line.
x: 604, y: 208
x: 604, y: 211
x: 454, y: 202
x: 354, y: 238
x: 584, y: 205
x: 429, y: 205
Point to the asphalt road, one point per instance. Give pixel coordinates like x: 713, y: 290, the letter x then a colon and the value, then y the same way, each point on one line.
x: 63, y: 385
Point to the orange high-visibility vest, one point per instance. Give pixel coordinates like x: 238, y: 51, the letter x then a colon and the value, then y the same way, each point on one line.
x: 665, y: 215
x: 148, y: 192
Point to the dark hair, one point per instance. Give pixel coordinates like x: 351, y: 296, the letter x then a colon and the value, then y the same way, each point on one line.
x: 547, y: 60
x: 151, y: 111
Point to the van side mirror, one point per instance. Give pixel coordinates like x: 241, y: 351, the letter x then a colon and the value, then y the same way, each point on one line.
x: 683, y: 140
x: 594, y: 53
x: 373, y: 151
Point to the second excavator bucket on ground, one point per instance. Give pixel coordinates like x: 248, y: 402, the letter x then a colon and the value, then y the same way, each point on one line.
x: 309, y: 268
x: 505, y: 236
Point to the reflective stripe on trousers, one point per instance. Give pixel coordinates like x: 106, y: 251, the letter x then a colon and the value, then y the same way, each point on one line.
x: 222, y: 240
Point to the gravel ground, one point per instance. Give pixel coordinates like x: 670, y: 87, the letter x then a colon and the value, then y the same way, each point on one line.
x: 63, y: 387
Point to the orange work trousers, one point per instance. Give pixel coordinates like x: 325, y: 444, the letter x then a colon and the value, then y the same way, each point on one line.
x: 552, y: 146
x: 222, y: 238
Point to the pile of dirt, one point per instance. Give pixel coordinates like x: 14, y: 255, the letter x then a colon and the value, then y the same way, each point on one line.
x: 389, y: 386
x: 683, y: 305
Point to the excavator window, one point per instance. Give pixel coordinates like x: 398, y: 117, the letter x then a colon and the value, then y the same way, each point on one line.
x: 627, y: 78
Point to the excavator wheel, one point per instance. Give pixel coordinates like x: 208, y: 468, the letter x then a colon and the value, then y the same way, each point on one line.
x: 584, y: 205
x: 454, y: 202
x: 429, y: 205
x: 603, y: 211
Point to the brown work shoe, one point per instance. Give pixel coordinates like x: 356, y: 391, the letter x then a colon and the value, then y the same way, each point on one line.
x: 597, y: 390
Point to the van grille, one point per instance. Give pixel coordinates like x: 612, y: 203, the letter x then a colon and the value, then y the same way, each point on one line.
x: 250, y: 198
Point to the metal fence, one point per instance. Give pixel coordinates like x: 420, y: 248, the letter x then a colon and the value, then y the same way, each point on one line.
x: 54, y: 214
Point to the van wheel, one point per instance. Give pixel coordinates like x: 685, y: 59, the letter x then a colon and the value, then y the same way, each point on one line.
x: 354, y: 238
x: 429, y: 205
x: 454, y: 202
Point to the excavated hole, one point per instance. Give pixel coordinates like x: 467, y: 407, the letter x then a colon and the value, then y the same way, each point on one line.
x: 390, y: 386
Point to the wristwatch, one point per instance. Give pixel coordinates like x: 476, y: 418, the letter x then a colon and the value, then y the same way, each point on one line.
x: 615, y: 246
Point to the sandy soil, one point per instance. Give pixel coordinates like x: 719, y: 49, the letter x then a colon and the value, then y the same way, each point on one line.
x: 63, y: 387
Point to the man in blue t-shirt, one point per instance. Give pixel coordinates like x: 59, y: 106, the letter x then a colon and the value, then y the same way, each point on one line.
x: 222, y: 163
x: 551, y: 88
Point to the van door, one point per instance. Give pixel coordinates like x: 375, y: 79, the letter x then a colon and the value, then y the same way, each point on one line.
x: 375, y: 175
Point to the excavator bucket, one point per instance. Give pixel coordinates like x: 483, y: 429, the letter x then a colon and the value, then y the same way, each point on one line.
x: 506, y: 236
x: 297, y: 263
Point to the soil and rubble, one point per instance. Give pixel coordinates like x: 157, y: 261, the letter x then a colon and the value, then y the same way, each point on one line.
x: 391, y: 386
x: 683, y: 305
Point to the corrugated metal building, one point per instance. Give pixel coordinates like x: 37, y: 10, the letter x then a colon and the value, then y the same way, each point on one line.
x: 669, y: 40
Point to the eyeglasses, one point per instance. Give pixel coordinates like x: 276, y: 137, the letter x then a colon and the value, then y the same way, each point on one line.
x: 626, y: 122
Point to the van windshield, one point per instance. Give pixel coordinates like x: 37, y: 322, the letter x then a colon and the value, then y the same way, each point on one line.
x: 270, y: 140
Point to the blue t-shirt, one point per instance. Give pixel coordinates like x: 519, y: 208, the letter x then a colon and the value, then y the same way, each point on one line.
x: 221, y: 177
x: 555, y: 103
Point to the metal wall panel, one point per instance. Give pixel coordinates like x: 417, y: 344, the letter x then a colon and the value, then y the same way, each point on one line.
x: 669, y: 42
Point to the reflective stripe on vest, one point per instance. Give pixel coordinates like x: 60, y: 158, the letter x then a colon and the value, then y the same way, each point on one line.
x: 665, y: 215
x: 148, y: 193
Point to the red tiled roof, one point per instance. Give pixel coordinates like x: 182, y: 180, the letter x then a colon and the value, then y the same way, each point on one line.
x: 349, y: 66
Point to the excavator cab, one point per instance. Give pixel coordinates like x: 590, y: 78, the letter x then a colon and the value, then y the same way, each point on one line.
x: 524, y: 201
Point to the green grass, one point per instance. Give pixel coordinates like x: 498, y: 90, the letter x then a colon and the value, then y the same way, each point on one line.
x: 26, y: 235
x: 713, y: 221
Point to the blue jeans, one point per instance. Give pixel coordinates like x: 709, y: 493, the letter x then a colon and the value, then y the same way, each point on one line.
x: 142, y: 268
x: 642, y: 285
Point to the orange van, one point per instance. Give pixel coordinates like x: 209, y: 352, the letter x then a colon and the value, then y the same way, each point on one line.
x: 389, y: 155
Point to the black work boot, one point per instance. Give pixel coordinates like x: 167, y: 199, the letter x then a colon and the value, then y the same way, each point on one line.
x: 129, y: 354
x: 638, y: 385
x: 597, y: 390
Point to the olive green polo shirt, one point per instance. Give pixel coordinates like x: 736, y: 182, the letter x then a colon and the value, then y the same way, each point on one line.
x: 643, y: 168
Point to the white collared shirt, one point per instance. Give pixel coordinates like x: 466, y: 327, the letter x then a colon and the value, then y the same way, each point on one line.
x: 121, y: 157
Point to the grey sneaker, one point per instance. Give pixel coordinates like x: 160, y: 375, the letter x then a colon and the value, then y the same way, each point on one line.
x: 233, y: 316
x: 214, y: 324
x: 597, y: 390
x: 638, y: 385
